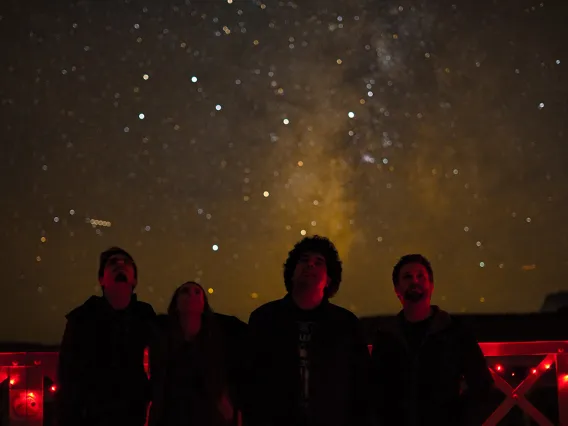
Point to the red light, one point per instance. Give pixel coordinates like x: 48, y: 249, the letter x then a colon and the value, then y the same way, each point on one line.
x: 499, y: 367
x: 53, y: 388
x: 12, y: 382
x: 31, y: 395
x: 546, y: 366
x: 512, y: 374
x: 565, y: 378
x: 534, y: 370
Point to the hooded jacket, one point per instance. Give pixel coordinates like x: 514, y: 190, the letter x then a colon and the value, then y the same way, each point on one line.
x: 101, y: 373
x: 424, y: 387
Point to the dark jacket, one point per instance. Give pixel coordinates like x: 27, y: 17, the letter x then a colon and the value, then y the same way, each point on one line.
x: 101, y: 364
x: 231, y: 345
x: 339, y: 362
x: 423, y: 388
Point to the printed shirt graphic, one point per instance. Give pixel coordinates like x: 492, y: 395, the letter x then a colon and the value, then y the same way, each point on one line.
x: 306, y: 329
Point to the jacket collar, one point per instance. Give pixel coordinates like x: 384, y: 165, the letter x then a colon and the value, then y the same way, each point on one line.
x: 289, y: 304
x: 441, y: 320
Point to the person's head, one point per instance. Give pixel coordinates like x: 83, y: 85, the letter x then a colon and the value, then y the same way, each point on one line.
x: 313, y: 265
x: 413, y: 280
x: 189, y: 298
x: 118, y: 276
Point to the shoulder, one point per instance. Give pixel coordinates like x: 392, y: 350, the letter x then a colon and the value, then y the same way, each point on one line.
x: 463, y: 331
x: 387, y: 329
x: 84, y: 311
x: 454, y: 324
x: 266, y: 311
x: 459, y: 331
x: 342, y: 314
x: 145, y: 310
x: 230, y: 323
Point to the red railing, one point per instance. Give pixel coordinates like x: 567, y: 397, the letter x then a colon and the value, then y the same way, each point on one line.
x: 25, y: 371
x: 554, y: 355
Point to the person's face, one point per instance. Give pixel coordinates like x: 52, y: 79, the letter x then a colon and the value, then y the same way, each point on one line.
x: 118, y: 280
x: 414, y: 285
x: 191, y: 299
x: 311, y: 272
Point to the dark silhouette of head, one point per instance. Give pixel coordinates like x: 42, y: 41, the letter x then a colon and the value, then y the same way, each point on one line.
x: 314, y: 259
x: 118, y: 276
x: 413, y: 280
x: 190, y: 297
x: 115, y: 252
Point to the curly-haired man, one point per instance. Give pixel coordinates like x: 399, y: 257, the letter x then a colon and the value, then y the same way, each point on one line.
x: 309, y: 360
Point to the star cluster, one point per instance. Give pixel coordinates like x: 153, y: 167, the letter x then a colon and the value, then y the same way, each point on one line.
x: 207, y: 137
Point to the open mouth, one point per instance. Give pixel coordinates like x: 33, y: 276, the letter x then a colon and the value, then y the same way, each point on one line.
x: 120, y: 277
x: 414, y: 295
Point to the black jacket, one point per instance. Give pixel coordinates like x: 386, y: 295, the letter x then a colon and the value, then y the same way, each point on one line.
x: 235, y: 339
x: 101, y: 364
x: 232, y: 344
x: 423, y: 388
x: 339, y: 362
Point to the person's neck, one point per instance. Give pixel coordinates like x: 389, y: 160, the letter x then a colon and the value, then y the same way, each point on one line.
x: 307, y: 301
x: 116, y: 305
x: 190, y: 325
x: 417, y: 313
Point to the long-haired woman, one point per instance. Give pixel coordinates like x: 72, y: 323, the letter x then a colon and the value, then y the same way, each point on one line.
x: 192, y: 364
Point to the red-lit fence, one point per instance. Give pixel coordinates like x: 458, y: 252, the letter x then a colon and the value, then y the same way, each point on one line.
x: 23, y: 374
x: 554, y: 356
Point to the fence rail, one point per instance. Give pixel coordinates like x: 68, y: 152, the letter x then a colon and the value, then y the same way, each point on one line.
x: 23, y: 374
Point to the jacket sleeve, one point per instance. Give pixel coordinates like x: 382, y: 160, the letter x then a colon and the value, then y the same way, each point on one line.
x: 70, y: 369
x: 237, y: 362
x: 252, y: 404
x: 156, y: 331
x: 362, y: 366
x: 377, y: 388
x: 478, y: 379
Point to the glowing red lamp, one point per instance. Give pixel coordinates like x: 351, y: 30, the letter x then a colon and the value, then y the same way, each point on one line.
x: 499, y: 367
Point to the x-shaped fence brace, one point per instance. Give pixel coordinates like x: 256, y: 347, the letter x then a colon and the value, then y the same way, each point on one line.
x: 516, y: 396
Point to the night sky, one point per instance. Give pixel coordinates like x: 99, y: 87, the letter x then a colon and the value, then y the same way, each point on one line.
x: 206, y: 137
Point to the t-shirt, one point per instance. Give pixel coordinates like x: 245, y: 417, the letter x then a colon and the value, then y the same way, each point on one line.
x: 415, y: 332
x: 307, y: 322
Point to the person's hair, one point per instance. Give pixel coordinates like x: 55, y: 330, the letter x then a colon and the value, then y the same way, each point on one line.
x: 209, y: 342
x: 411, y: 258
x: 320, y: 245
x: 206, y: 318
x: 113, y: 251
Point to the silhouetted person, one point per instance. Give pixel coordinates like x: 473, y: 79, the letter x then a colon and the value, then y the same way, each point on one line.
x: 195, y: 367
x: 555, y: 302
x: 309, y: 359
x: 419, y: 360
x: 102, y: 381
